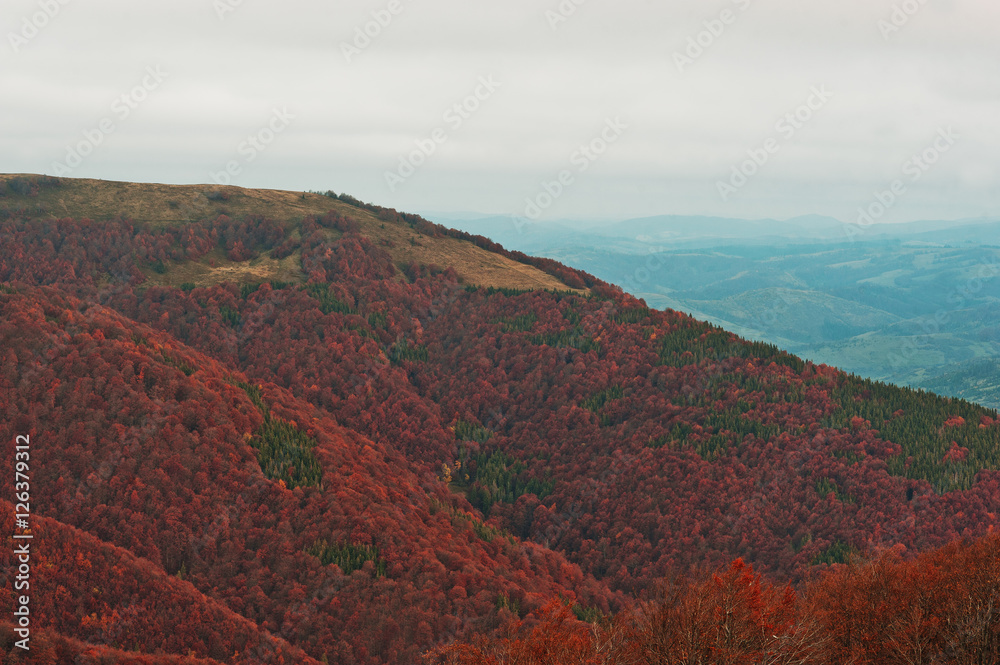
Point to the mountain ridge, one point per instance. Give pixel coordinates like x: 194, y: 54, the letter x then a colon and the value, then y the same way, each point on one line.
x: 155, y: 205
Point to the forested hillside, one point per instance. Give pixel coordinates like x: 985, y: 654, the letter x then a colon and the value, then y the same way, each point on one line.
x: 332, y: 435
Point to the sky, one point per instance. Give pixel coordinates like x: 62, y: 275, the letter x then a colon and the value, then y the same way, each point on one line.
x: 538, y: 109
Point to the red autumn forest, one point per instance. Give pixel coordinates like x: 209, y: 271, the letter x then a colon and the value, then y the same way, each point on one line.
x: 369, y: 458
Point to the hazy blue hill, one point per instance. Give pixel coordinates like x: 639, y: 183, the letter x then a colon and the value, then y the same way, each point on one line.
x: 673, y: 228
x: 792, y: 314
x: 976, y: 380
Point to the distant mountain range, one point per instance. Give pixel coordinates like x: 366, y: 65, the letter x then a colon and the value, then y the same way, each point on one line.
x: 678, y: 232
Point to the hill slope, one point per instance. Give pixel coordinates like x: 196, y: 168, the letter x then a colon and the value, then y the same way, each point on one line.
x: 378, y: 455
x: 154, y: 206
x: 158, y: 483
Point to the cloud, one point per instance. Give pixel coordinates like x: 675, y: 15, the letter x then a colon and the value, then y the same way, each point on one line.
x: 561, y: 80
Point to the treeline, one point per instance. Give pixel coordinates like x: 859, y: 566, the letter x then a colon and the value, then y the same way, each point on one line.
x: 576, y: 279
x: 940, y: 607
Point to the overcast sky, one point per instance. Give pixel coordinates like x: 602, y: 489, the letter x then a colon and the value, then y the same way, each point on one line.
x: 670, y: 96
